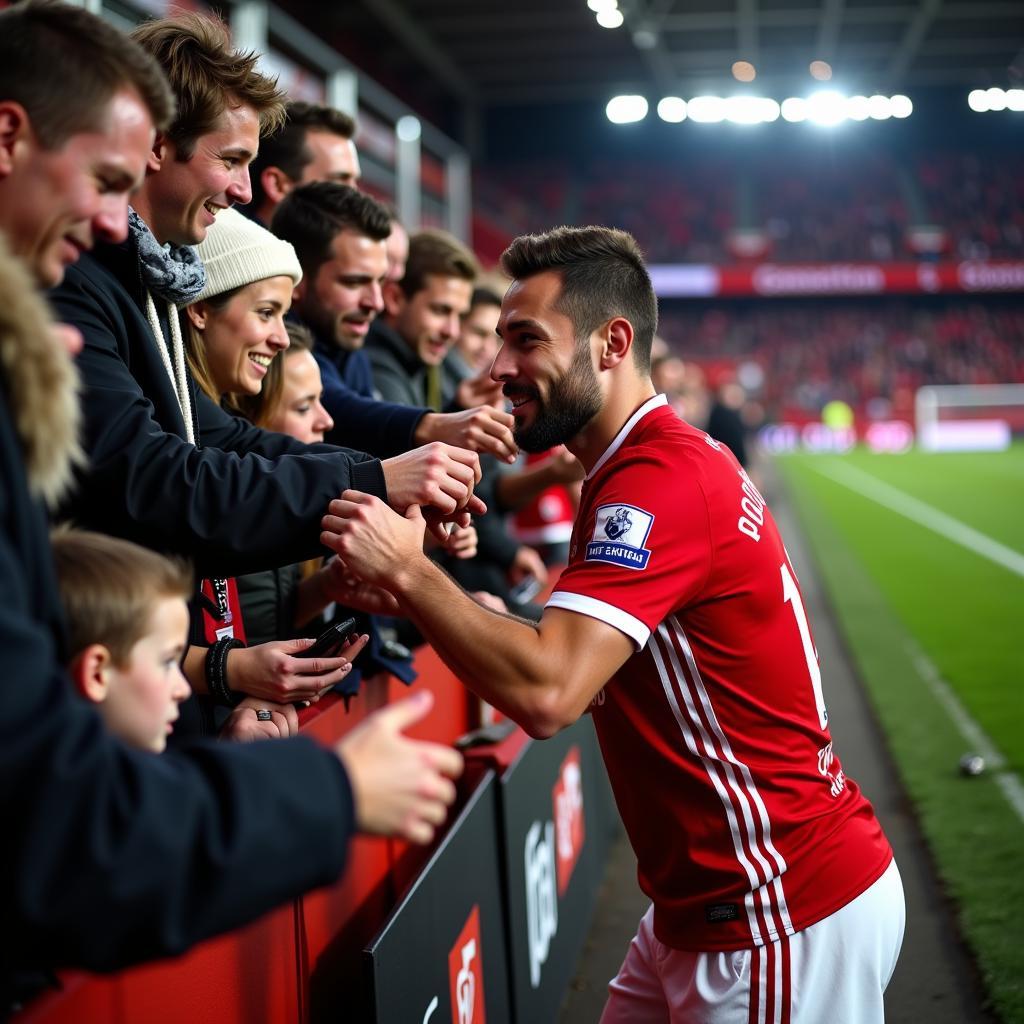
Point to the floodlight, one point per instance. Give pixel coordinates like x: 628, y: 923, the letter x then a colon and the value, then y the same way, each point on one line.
x: 821, y: 70
x: 858, y: 108
x: 750, y: 109
x: 996, y: 98
x: 706, y: 109
x: 827, y: 108
x: 744, y: 71
x: 610, y: 18
x: 672, y: 109
x: 597, y: 6
x: 1015, y: 99
x: 900, y: 106
x: 794, y: 109
x: 408, y: 128
x: 977, y: 100
x: 879, y: 108
x: 626, y: 109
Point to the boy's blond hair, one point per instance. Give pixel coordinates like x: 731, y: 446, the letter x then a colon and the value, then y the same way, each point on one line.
x: 109, y: 588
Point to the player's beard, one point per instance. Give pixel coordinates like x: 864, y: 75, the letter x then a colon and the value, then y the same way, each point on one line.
x: 572, y: 402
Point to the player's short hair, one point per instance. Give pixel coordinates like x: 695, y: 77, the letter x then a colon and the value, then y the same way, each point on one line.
x: 603, y: 276
x: 436, y: 252
x: 287, y: 149
x: 311, y: 216
x: 207, y: 77
x: 109, y: 588
x: 63, y: 65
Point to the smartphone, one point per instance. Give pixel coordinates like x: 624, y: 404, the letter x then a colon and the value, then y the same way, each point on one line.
x: 329, y: 641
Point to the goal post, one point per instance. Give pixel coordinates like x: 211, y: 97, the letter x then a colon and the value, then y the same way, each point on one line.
x: 968, y: 417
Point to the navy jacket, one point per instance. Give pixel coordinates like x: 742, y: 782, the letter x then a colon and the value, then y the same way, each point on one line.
x: 243, y: 500
x: 110, y: 856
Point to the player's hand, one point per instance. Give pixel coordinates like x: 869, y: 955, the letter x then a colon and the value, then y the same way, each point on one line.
x: 439, y: 477
x: 374, y: 541
x: 273, y: 671
x: 401, y: 786
x: 483, y: 429
x: 345, y: 587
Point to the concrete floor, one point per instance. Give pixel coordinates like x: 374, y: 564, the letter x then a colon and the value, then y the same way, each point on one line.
x: 936, y: 980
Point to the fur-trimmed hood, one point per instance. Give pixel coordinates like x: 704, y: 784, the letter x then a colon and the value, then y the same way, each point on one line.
x: 40, y: 381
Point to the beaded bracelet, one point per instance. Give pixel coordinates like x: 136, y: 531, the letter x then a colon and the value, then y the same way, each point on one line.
x: 217, y: 672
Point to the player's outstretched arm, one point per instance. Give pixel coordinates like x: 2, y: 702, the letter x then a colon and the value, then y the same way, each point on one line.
x: 543, y: 676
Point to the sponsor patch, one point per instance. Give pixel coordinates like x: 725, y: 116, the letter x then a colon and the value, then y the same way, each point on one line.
x: 716, y: 913
x: 620, y: 532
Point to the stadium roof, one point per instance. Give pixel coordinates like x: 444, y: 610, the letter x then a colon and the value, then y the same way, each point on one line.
x: 489, y: 53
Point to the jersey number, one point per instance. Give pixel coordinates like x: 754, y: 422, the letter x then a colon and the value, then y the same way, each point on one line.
x: 791, y: 593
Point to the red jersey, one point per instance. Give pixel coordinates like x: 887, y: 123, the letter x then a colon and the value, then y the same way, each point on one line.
x: 715, y: 731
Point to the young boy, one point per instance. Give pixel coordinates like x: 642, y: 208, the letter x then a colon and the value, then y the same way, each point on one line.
x: 127, y: 625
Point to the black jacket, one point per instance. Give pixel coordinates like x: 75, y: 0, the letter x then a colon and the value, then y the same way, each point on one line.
x: 398, y: 374
x: 110, y: 856
x: 245, y: 500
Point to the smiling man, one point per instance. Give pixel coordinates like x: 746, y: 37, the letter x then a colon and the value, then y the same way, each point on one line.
x: 422, y: 319
x: 72, y: 146
x: 341, y: 236
x: 167, y: 467
x: 679, y: 624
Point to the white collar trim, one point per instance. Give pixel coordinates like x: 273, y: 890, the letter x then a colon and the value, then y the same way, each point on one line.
x: 649, y: 406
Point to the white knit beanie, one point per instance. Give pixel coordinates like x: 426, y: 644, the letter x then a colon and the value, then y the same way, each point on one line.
x: 237, y: 252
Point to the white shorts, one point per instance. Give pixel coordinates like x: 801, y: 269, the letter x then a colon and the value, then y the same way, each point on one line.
x: 834, y: 971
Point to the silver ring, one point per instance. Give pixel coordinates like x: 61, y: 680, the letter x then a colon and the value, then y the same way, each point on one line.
x: 264, y: 715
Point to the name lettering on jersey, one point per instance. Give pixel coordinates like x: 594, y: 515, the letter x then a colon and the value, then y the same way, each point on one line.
x: 837, y: 779
x: 713, y: 443
x: 620, y: 532
x: 751, y: 509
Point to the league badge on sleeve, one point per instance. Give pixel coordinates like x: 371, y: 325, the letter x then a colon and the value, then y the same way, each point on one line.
x: 620, y: 532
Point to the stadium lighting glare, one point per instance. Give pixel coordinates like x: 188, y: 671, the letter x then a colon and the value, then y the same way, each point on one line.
x: 821, y: 70
x: 996, y: 99
x: 794, y: 109
x: 879, y: 108
x: 744, y: 71
x: 857, y: 108
x: 408, y: 128
x: 672, y: 109
x: 610, y: 18
x: 1015, y: 99
x: 597, y: 6
x: 626, y: 109
x: 706, y: 109
x: 901, y: 106
x: 977, y: 100
x: 826, y: 108
x: 750, y: 109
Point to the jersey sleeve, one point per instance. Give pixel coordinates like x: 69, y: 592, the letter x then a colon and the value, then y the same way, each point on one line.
x: 642, y: 546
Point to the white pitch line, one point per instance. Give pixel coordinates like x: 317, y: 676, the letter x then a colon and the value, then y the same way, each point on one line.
x: 977, y: 739
x: 922, y: 513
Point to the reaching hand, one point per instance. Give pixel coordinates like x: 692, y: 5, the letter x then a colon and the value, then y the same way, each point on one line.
x: 437, y: 476
x: 480, y: 390
x: 482, y: 429
x: 372, y: 540
x: 401, y: 786
x: 345, y: 587
x: 462, y: 542
x: 273, y: 672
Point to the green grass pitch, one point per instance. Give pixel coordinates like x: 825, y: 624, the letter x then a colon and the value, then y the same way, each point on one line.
x: 898, y: 588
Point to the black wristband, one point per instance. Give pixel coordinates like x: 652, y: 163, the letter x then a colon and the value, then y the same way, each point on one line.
x: 217, y: 672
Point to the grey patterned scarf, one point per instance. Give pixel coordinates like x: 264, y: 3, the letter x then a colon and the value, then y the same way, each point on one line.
x: 173, y: 272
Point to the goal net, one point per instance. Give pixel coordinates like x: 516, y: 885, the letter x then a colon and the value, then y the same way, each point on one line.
x: 969, y: 417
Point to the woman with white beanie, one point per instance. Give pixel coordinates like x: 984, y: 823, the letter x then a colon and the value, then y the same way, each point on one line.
x: 234, y: 331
